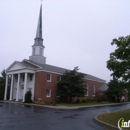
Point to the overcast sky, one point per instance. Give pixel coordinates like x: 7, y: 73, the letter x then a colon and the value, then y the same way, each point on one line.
x: 75, y: 32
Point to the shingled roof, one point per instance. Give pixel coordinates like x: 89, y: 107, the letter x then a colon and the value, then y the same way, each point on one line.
x: 104, y: 87
x: 60, y: 70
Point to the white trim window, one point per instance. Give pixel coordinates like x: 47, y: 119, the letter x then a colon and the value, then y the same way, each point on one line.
x: 93, y: 90
x: 48, y: 92
x: 86, y: 91
x: 49, y: 77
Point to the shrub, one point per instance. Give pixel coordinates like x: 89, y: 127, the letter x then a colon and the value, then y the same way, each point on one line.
x: 78, y: 100
x: 88, y: 100
x: 28, y: 97
x: 49, y: 102
x: 54, y: 103
x: 94, y: 100
x: 58, y: 100
x: 2, y: 89
x: 83, y: 101
x: 128, y: 98
x: 42, y: 103
x: 99, y: 100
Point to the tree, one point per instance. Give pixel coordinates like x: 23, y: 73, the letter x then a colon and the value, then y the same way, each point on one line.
x: 71, y: 84
x: 2, y: 84
x: 3, y: 75
x: 28, y: 97
x: 119, y: 61
x: 115, y: 89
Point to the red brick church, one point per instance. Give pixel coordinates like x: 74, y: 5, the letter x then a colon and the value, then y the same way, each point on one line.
x: 40, y: 78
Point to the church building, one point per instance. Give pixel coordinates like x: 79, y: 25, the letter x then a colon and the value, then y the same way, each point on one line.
x: 41, y: 79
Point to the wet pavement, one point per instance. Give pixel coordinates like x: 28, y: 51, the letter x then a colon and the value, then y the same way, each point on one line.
x: 22, y: 117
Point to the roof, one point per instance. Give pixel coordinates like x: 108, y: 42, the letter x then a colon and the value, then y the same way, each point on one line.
x: 60, y: 70
x: 104, y: 87
x: 91, y: 77
x: 26, y: 65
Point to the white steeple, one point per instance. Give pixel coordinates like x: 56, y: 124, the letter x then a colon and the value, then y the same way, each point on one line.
x: 38, y: 47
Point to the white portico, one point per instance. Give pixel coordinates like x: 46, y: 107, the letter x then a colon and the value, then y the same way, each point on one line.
x: 22, y: 80
x: 23, y: 73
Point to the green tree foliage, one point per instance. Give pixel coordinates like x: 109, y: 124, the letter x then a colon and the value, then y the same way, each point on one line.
x: 28, y: 97
x: 115, y: 90
x: 71, y: 84
x: 119, y: 61
x: 3, y: 75
x: 2, y: 84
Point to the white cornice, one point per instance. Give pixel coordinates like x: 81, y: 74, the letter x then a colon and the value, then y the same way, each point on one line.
x: 20, y: 71
x: 15, y: 62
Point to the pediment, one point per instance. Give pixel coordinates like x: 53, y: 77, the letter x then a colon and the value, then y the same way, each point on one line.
x: 15, y: 66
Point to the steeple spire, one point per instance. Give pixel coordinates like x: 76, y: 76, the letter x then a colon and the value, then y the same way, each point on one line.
x: 38, y: 47
x: 38, y: 40
x: 39, y: 26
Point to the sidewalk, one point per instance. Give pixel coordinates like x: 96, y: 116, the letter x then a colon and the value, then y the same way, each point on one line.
x: 63, y: 107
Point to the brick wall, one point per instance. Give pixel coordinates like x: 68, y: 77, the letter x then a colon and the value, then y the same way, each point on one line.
x: 90, y: 96
x: 41, y: 85
x: 97, y: 86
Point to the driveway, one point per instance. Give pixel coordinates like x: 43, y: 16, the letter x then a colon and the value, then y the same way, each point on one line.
x: 21, y: 117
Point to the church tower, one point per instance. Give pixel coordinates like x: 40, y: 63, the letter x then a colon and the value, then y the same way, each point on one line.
x: 38, y: 47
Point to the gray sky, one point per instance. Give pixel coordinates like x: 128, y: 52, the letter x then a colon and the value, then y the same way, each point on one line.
x: 75, y: 32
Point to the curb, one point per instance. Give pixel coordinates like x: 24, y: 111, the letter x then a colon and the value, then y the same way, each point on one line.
x: 63, y: 107
x: 111, y: 127
x: 29, y: 104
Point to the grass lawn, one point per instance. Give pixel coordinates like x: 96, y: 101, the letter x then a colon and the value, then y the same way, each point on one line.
x: 82, y: 104
x: 112, y: 118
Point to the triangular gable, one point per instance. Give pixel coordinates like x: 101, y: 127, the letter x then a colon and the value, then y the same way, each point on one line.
x: 34, y: 65
x: 15, y: 66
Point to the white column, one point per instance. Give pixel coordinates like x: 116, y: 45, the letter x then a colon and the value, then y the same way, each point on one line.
x: 17, y: 93
x: 6, y: 86
x: 33, y: 89
x: 25, y: 86
x: 11, y: 89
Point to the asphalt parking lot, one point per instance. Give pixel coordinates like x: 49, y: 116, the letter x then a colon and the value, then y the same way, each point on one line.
x: 22, y: 117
